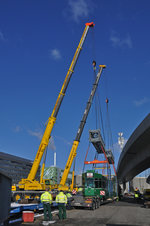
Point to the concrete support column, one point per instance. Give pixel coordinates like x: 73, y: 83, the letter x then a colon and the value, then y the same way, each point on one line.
x: 124, y: 186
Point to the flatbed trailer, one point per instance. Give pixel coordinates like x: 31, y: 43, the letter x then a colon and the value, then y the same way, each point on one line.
x: 91, y: 202
x: 18, y: 208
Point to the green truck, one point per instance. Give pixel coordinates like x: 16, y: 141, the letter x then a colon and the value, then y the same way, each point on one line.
x: 96, y: 190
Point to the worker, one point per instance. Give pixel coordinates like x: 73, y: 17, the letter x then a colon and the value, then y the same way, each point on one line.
x: 80, y: 189
x: 68, y: 194
x: 136, y: 194
x: 61, y: 199
x: 69, y: 199
x: 46, y: 199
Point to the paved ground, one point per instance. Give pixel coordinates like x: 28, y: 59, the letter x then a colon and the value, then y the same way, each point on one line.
x: 125, y: 212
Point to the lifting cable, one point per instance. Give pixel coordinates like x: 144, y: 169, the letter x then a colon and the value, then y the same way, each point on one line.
x: 94, y: 68
x: 100, y: 117
x: 93, y: 57
x: 97, y: 108
x: 86, y: 156
x: 108, y: 126
x: 93, y: 45
x: 96, y: 157
x: 110, y: 141
x: 94, y: 76
x: 98, y: 111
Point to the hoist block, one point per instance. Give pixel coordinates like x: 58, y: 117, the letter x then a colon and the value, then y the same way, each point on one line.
x: 97, y: 140
x: 110, y: 156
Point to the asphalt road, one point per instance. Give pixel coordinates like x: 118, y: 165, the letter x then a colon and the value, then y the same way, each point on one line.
x: 125, y: 212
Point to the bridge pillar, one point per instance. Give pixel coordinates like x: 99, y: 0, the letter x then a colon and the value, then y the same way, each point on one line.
x: 124, y: 186
x: 131, y: 188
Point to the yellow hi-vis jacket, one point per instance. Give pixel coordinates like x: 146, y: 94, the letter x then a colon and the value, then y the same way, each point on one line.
x: 46, y: 197
x: 136, y: 195
x: 68, y: 195
x: 80, y: 189
x: 61, y: 198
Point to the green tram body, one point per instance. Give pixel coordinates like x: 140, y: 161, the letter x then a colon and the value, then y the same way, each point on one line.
x: 96, y: 184
x: 96, y: 190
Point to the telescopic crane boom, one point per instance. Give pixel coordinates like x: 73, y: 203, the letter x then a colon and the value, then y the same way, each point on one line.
x: 30, y: 183
x: 79, y: 133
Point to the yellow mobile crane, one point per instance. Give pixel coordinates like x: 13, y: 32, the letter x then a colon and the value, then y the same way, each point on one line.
x: 73, y: 152
x: 30, y: 183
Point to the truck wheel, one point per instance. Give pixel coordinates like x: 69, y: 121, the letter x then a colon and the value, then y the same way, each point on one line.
x: 93, y: 206
x: 98, y: 203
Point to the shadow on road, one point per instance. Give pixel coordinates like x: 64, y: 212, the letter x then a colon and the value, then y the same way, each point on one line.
x: 120, y: 225
x: 128, y: 201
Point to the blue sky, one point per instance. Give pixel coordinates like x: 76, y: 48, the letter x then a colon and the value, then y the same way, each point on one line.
x: 37, y: 42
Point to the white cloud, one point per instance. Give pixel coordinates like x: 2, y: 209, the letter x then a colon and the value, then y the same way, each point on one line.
x: 66, y: 142
x: 79, y: 9
x: 120, y: 42
x: 147, y: 62
x: 17, y: 129
x: 139, y: 103
x: 55, y: 54
x: 2, y: 36
x: 39, y: 135
x: 51, y: 144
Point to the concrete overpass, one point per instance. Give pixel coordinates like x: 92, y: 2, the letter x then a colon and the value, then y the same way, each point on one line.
x: 135, y: 156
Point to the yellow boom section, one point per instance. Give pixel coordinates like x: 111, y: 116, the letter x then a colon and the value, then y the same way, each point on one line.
x: 72, y: 155
x: 42, y: 147
x: 73, y: 151
x: 52, y: 118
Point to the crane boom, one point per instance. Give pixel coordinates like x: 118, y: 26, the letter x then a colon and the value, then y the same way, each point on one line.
x: 52, y: 118
x: 80, y: 130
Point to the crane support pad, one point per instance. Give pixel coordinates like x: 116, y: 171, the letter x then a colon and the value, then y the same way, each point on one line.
x: 97, y: 140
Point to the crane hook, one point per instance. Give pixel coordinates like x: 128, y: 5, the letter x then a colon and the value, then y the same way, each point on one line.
x: 107, y: 100
x: 94, y: 65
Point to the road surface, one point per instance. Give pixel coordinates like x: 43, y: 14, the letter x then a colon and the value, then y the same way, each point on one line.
x: 125, y: 212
